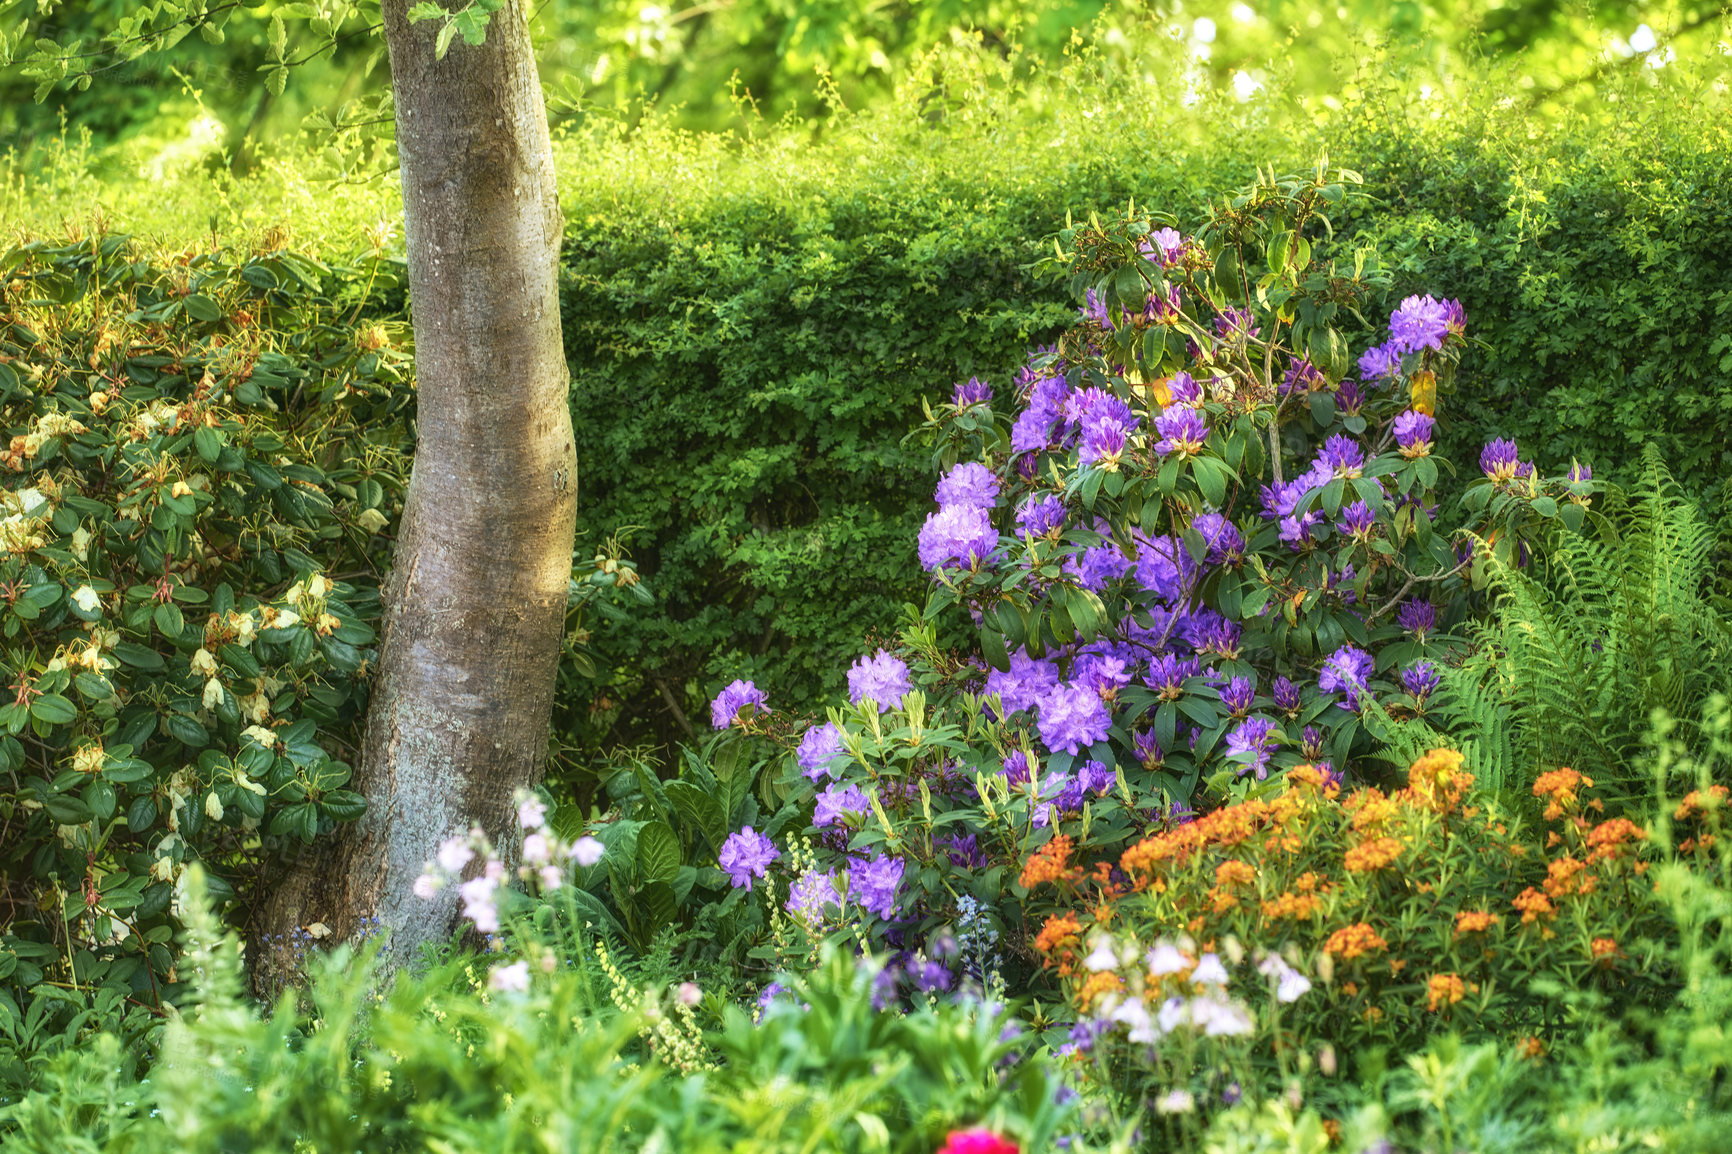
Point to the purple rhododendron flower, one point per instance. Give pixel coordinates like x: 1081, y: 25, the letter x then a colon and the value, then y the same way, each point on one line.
x: 1286, y: 695
x: 973, y: 392
x: 1346, y: 671
x: 1413, y: 433
x: 1357, y: 520
x: 1302, y: 376
x: 725, y: 709
x: 1072, y: 716
x: 1164, y: 566
x: 1343, y: 456
x: 1226, y: 543
x: 808, y: 897
x: 1167, y: 675
x: 883, y: 679
x: 1238, y: 696
x: 1026, y: 681
x: 1420, y: 679
x: 1184, y: 389
x: 1421, y: 322
x: 1039, y: 515
x: 1500, y: 460
x: 1350, y: 396
x: 819, y: 750
x: 1417, y: 617
x: 1381, y: 362
x: 873, y: 883
x: 969, y: 483
x: 1254, y: 736
x: 746, y: 855
x: 1182, y: 431
x: 958, y: 535
x: 836, y: 802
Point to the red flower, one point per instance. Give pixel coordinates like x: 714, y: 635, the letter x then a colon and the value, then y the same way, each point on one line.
x: 977, y: 1142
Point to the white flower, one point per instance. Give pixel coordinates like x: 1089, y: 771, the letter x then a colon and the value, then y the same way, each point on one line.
x: 1165, y: 958
x: 535, y: 849
x: 1210, y: 971
x: 532, y: 813
x: 87, y: 599
x: 1135, y: 1015
x: 1102, y: 957
x: 586, y: 851
x: 1292, y: 986
x: 454, y: 854
x: 512, y: 979
x: 426, y: 886
x: 213, y: 806
x: 1175, y: 1102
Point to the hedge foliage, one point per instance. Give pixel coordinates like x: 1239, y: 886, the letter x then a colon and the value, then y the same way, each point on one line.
x: 752, y: 329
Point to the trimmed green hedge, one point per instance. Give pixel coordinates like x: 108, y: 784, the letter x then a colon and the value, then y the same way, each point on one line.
x: 752, y: 332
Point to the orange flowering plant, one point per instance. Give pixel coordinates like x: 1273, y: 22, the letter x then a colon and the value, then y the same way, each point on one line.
x: 1224, y: 955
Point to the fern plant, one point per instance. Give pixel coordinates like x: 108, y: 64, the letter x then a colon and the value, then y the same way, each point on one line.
x: 1577, y: 652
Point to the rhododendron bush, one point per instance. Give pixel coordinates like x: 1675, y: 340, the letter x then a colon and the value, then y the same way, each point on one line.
x: 1195, y: 541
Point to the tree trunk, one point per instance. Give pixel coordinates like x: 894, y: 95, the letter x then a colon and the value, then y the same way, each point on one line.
x: 474, y: 606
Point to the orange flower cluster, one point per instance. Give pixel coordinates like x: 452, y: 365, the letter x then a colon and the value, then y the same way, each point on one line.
x: 1291, y: 905
x: 1059, y: 930
x: 1606, y: 838
x: 1474, y: 921
x: 1356, y: 939
x: 1564, y: 877
x: 1561, y: 786
x: 1532, y: 904
x: 1442, y: 988
x: 1373, y: 854
x: 1700, y: 801
x: 1049, y: 863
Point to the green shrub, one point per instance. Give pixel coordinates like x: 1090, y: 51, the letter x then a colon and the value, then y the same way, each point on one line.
x: 189, y: 569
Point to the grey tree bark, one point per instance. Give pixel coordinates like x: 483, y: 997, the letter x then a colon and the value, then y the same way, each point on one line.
x: 475, y: 601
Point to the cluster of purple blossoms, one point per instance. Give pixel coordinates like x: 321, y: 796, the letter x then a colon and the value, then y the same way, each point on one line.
x: 1413, y: 433
x: 1238, y: 695
x: 1226, y: 543
x: 837, y: 803
x: 1302, y: 376
x: 1072, y: 716
x: 1026, y: 681
x: 746, y: 855
x: 873, y: 883
x: 883, y: 679
x: 1417, y: 617
x: 1286, y: 696
x: 1420, y: 679
x: 969, y: 483
x: 725, y: 709
x: 974, y: 391
x: 1346, y: 671
x: 957, y: 536
x: 1040, y: 516
x: 1422, y: 322
x: 1358, y: 520
x: 1164, y: 246
x: 1501, y: 461
x: 1255, y: 736
x: 1350, y: 396
x: 1182, y: 431
x: 811, y: 895
x: 819, y: 751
